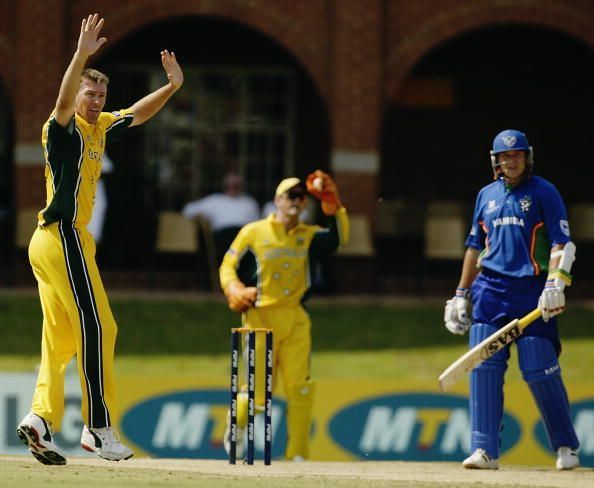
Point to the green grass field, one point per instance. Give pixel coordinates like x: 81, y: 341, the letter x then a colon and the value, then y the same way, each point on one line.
x: 201, y: 326
x: 185, y: 335
x: 577, y: 361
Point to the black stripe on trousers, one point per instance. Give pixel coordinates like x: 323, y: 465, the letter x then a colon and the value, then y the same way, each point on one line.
x: 92, y: 344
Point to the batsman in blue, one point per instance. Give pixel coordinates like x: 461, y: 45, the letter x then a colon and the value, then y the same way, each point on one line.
x: 518, y: 257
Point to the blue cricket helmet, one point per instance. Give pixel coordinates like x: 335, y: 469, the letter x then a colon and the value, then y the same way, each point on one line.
x: 511, y: 140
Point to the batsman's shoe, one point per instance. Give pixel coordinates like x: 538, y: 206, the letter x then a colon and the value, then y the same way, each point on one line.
x: 36, y: 433
x: 567, y: 458
x: 105, y: 443
x: 480, y: 459
x: 240, y: 434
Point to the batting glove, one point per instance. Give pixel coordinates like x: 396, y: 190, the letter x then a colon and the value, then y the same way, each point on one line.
x: 456, y: 312
x: 551, y: 301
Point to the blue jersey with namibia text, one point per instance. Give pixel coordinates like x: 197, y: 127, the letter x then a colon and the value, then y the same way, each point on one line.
x: 515, y: 228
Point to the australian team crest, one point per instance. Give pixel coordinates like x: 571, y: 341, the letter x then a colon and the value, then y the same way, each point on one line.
x: 300, y: 241
x: 525, y: 203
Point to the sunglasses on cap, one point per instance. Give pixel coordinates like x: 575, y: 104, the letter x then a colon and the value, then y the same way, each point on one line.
x: 296, y: 193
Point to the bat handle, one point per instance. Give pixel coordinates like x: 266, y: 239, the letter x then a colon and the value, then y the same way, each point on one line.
x: 528, y: 319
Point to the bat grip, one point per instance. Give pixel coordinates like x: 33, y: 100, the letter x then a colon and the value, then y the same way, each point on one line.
x: 529, y: 318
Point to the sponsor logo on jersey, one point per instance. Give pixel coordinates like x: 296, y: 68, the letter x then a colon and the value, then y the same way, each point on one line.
x: 284, y: 252
x: 512, y: 220
x: 525, y: 203
x: 411, y: 426
x: 564, y: 227
x: 583, y: 422
x: 491, y: 207
x: 117, y: 114
x: 191, y: 424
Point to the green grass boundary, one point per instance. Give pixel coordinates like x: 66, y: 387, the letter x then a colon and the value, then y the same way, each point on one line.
x: 183, y: 326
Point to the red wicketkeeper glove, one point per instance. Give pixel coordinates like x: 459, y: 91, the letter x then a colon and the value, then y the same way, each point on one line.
x: 322, y: 186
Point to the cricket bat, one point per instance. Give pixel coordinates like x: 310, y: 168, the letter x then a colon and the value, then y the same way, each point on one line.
x: 484, y: 350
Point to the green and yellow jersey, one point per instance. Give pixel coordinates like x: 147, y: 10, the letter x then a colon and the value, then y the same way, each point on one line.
x: 73, y: 157
x: 280, y: 263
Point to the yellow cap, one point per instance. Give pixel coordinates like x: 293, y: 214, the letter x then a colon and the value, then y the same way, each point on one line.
x: 286, y: 185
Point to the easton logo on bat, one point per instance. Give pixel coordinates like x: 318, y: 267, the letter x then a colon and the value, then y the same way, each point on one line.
x: 502, y: 341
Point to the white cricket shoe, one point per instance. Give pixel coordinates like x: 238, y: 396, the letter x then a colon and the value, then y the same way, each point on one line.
x: 567, y: 458
x: 239, y: 445
x: 480, y: 459
x: 105, y: 442
x: 36, y: 433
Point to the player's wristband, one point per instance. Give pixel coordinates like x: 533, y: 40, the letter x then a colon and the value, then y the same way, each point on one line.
x: 462, y: 292
x: 560, y: 274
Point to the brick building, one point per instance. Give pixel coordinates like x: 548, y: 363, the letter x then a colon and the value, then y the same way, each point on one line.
x: 398, y: 99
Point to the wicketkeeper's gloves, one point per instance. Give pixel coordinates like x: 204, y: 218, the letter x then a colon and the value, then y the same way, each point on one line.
x: 322, y: 186
x: 240, y: 297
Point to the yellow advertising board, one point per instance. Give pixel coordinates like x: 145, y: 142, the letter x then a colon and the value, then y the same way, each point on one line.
x: 363, y: 419
x: 353, y: 420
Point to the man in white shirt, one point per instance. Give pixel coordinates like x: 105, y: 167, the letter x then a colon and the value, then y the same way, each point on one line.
x: 226, y: 212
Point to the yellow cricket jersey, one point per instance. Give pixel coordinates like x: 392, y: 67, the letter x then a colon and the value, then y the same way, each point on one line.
x: 73, y: 157
x: 280, y: 263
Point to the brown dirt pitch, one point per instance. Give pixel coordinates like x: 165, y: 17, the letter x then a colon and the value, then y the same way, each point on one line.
x: 24, y: 471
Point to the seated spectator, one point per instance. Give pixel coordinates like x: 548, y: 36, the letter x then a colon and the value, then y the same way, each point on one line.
x: 226, y: 212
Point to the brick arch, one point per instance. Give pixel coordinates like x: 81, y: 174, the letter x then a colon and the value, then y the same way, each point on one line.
x: 284, y: 21
x: 445, y: 25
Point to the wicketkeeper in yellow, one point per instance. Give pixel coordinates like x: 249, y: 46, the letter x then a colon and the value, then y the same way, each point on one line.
x: 267, y: 274
x: 77, y: 320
